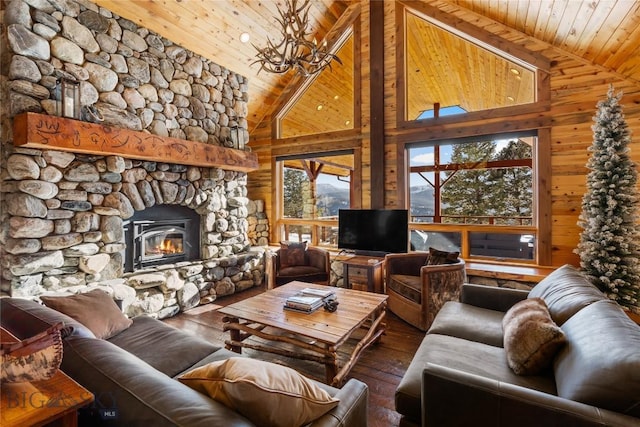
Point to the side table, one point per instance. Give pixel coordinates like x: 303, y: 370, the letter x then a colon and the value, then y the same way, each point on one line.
x: 39, y: 403
x: 364, y: 273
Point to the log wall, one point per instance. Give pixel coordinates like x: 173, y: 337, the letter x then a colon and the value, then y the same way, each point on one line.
x: 575, y: 88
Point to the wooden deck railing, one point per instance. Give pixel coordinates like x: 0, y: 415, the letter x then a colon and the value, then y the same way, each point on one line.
x: 324, y: 232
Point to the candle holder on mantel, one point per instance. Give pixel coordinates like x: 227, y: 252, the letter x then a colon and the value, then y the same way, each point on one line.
x: 237, y: 137
x: 68, y: 92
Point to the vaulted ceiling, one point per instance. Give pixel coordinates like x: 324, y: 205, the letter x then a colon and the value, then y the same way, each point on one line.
x: 602, y: 32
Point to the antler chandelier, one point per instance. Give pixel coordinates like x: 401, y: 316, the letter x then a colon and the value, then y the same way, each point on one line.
x: 294, y: 51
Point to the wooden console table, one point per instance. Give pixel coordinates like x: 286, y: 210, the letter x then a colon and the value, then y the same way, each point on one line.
x: 39, y: 403
x: 364, y: 273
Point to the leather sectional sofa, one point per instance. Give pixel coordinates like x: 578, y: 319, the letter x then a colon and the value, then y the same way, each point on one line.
x: 132, y: 374
x: 460, y: 375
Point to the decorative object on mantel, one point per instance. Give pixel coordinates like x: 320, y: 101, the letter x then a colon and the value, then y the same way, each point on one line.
x: 34, y: 359
x: 68, y: 97
x: 43, y: 131
x: 609, y: 246
x: 294, y: 51
x: 89, y: 113
x: 237, y: 137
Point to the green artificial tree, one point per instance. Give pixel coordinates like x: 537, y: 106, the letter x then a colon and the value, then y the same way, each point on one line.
x: 609, y: 245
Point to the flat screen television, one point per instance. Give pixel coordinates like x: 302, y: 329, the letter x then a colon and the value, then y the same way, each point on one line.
x: 373, y: 232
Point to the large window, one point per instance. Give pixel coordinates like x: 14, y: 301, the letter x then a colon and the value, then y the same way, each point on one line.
x: 446, y: 71
x: 483, y: 186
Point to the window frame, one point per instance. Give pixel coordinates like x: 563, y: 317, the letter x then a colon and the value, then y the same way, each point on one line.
x: 466, y: 230
x: 536, y: 62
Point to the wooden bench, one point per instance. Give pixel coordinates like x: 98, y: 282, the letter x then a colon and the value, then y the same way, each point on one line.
x: 519, y: 273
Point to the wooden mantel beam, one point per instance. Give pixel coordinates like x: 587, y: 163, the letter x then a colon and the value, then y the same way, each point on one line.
x: 49, y: 132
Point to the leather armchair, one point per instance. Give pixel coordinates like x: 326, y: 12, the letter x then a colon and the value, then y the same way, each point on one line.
x: 315, y: 269
x: 417, y: 291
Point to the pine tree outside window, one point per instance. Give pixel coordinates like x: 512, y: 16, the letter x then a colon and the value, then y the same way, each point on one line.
x: 482, y: 182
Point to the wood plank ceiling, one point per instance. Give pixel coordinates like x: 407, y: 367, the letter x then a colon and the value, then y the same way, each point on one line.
x: 603, y: 32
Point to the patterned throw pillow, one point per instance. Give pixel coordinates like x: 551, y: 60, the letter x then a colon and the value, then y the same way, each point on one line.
x: 437, y: 257
x: 292, y: 253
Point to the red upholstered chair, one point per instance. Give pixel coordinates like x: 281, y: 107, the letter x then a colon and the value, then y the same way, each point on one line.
x: 296, y: 261
x: 417, y: 291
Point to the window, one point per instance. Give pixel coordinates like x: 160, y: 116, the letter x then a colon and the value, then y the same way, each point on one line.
x: 314, y: 188
x: 327, y: 97
x: 446, y: 70
x: 484, y: 186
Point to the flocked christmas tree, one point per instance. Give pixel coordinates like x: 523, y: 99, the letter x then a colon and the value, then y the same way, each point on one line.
x: 609, y: 245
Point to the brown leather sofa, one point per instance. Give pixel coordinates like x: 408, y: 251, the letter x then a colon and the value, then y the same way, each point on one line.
x: 132, y: 374
x: 460, y: 376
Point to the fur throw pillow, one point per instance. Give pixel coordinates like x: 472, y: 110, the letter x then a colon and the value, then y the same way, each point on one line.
x: 531, y: 338
x: 437, y: 257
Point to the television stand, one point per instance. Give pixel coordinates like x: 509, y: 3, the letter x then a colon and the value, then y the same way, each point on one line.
x: 364, y: 273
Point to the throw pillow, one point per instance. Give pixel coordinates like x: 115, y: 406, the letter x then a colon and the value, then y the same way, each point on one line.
x: 437, y: 257
x: 292, y: 254
x: 94, y: 309
x: 531, y: 338
x: 266, y: 393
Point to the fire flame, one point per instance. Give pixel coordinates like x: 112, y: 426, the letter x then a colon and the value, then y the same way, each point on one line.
x: 168, y: 247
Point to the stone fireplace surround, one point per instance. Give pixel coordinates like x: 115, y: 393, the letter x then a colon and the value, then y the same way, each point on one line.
x: 62, y: 212
x: 65, y: 234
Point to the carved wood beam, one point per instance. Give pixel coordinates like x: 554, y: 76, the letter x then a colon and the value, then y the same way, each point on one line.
x: 49, y: 132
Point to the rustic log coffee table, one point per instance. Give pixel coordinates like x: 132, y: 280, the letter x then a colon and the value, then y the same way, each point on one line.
x: 316, y: 335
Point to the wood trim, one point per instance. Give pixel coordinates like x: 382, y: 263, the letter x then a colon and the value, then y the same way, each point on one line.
x: 376, y: 95
x: 356, y: 183
x: 47, y: 132
x: 489, y: 126
x: 486, y: 116
x: 542, y: 200
x: 401, y: 85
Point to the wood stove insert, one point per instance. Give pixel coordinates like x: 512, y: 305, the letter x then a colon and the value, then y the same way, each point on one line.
x: 162, y: 234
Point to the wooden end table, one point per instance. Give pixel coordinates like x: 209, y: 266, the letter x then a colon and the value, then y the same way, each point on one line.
x: 318, y: 334
x: 39, y: 403
x: 363, y: 273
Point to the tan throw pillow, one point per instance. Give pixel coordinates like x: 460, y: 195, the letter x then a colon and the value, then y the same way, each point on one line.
x: 531, y: 338
x: 267, y: 394
x: 94, y: 309
x: 292, y: 254
x: 437, y: 257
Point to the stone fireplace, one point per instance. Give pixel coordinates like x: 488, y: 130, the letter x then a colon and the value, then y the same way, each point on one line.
x: 78, y: 213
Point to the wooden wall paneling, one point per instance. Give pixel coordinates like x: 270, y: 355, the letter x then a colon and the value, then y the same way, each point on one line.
x: 400, y: 60
x: 576, y: 89
x: 542, y: 207
x: 356, y: 181
x: 376, y: 90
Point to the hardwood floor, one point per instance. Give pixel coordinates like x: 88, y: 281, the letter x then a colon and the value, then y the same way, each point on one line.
x: 381, y: 366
